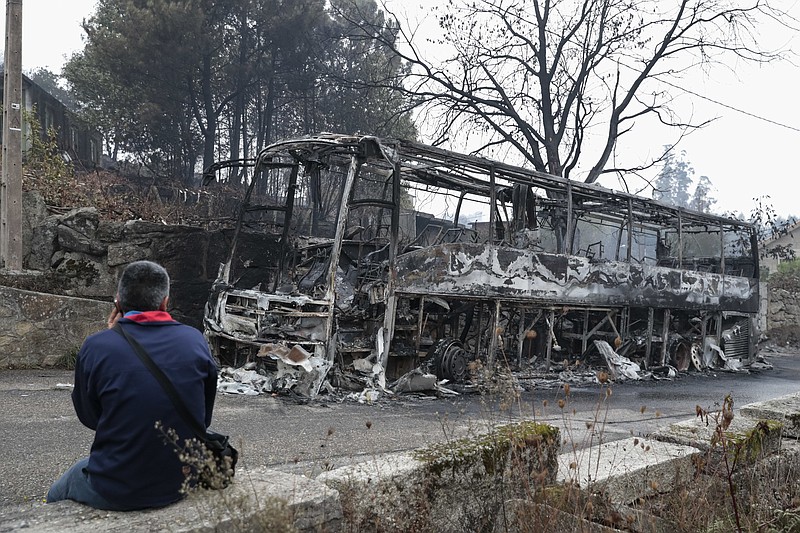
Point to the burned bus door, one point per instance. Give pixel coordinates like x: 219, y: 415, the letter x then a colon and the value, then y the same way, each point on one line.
x: 336, y: 251
x: 286, y: 226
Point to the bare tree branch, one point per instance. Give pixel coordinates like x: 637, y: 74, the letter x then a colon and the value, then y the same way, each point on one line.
x: 538, y: 75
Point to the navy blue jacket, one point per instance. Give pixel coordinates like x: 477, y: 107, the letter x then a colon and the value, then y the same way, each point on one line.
x: 131, y: 464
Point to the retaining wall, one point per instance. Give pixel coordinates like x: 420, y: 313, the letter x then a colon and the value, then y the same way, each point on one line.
x: 38, y: 329
x: 72, y: 263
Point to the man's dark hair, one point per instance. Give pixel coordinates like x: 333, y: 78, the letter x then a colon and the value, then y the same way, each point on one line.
x: 142, y: 287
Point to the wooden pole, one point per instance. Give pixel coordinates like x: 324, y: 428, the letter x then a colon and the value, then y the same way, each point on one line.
x: 11, y: 185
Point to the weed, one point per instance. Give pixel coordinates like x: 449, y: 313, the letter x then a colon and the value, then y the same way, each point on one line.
x: 116, y: 197
x: 787, y: 520
x: 68, y: 360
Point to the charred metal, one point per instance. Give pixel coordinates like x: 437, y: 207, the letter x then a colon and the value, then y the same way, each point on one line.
x: 356, y: 288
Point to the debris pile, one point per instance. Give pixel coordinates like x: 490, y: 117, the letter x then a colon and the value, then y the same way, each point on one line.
x: 365, y: 381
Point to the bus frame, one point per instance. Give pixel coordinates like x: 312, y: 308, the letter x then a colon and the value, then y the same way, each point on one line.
x: 354, y: 286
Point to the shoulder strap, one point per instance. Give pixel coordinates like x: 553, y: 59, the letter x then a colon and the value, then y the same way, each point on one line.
x: 166, y: 384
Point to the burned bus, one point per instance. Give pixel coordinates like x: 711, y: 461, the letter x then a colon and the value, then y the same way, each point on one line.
x: 354, y: 283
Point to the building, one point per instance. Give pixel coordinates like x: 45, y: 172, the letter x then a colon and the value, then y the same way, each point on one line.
x: 80, y: 142
x: 788, y: 239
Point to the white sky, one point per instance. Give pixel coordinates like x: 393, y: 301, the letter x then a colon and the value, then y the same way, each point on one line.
x: 743, y: 156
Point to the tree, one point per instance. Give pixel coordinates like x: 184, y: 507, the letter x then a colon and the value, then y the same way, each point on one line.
x: 290, y: 38
x: 545, y: 77
x: 770, y: 226
x: 355, y: 94
x: 672, y: 184
x: 104, y: 102
x: 702, y: 199
x: 136, y: 75
x: 181, y: 70
x: 178, y: 81
x: 676, y: 179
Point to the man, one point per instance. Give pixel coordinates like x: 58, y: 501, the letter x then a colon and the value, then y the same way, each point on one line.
x: 131, y: 464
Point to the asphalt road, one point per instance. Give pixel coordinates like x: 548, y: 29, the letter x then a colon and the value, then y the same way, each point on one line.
x: 41, y: 436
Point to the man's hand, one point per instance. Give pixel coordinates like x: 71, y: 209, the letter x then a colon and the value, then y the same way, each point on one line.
x: 115, y: 315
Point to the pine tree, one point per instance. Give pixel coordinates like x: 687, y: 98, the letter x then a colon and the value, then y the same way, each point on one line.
x: 702, y: 199
x: 673, y: 183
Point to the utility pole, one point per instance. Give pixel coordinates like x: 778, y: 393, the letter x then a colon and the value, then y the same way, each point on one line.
x: 11, y: 179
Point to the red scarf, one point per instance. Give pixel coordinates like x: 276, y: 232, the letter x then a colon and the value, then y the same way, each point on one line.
x: 150, y: 316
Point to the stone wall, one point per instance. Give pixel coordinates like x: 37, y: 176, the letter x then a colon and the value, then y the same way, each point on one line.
x: 38, y: 329
x: 783, y: 309
x: 72, y: 264
x: 77, y: 254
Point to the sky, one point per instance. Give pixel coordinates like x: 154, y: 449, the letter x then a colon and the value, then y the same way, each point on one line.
x: 749, y: 150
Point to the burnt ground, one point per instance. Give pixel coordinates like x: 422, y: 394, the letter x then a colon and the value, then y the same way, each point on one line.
x: 42, y: 436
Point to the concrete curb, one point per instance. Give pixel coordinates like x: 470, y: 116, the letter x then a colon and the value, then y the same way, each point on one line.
x: 785, y: 409
x: 628, y: 469
x: 762, y: 456
x: 250, y: 504
x: 460, y: 485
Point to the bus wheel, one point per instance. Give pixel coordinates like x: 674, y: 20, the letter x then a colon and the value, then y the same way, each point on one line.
x: 681, y: 356
x: 697, y: 357
x: 451, y: 361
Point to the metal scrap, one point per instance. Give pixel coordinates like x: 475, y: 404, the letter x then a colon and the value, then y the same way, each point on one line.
x: 619, y: 367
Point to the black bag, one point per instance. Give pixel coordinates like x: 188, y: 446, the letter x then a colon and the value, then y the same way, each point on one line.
x: 216, y: 473
x: 225, y: 458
